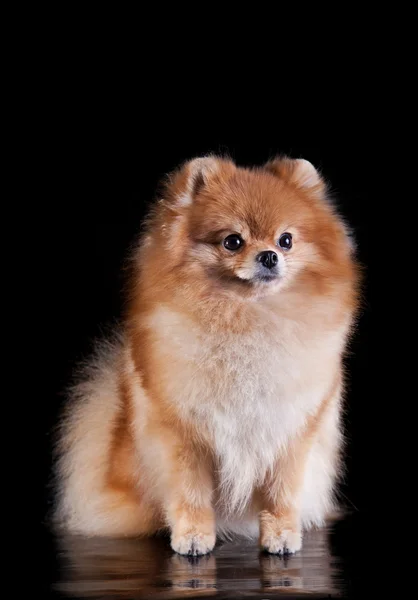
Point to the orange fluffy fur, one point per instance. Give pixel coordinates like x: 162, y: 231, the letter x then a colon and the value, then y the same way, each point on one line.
x: 217, y: 409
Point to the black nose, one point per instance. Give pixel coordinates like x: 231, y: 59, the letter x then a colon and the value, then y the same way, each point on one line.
x: 268, y: 259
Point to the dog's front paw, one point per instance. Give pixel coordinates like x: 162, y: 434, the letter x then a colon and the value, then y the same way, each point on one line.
x: 286, y: 542
x: 193, y: 544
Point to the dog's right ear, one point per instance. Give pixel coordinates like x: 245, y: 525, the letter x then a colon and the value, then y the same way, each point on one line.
x: 197, y: 175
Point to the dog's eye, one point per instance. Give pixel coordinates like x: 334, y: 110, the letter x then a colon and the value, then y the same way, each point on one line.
x: 285, y: 241
x: 233, y: 242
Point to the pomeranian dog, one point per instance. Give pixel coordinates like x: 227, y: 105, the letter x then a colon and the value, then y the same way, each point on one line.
x: 217, y: 409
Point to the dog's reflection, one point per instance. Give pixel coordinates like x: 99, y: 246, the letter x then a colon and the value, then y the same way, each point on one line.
x: 148, y: 567
x: 311, y: 570
x: 188, y: 574
x: 92, y: 567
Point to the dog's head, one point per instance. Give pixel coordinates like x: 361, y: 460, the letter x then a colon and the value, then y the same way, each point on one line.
x: 253, y: 231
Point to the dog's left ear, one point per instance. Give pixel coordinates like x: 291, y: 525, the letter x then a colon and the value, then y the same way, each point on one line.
x: 298, y: 172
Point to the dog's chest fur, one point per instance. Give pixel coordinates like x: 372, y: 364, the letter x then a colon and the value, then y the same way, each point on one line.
x: 248, y: 392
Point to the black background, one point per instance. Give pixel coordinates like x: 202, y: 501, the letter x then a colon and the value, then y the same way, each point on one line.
x: 105, y: 156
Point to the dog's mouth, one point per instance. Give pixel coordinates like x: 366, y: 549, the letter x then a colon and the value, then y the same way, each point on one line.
x: 267, y: 277
x: 258, y: 279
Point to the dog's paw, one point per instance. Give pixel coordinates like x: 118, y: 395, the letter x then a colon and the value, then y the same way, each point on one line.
x: 287, y: 542
x: 193, y: 544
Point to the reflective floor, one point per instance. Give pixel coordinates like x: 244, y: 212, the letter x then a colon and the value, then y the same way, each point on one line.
x: 97, y: 568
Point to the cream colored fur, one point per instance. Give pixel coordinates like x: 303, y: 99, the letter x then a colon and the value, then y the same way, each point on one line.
x: 251, y: 395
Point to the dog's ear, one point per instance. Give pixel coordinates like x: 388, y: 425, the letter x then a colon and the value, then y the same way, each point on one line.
x: 298, y: 172
x: 196, y: 175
